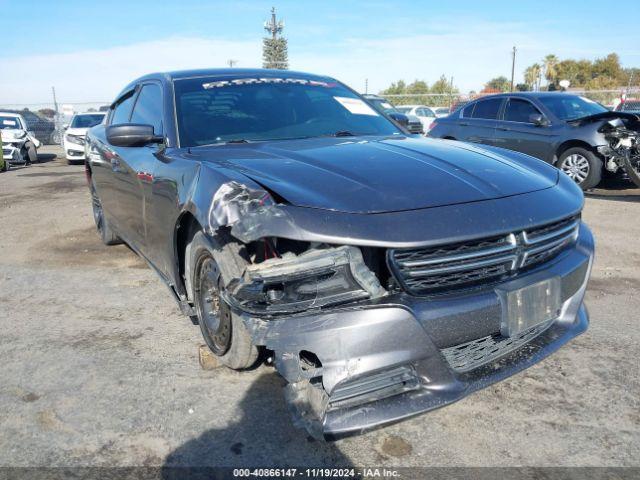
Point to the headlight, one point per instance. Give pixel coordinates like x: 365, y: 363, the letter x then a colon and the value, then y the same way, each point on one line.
x: 75, y: 139
x: 294, y: 283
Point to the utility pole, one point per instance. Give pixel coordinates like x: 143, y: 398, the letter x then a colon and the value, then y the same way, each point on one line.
x: 55, y: 102
x: 366, y: 86
x: 451, y: 92
x: 231, y: 62
x: 513, y: 65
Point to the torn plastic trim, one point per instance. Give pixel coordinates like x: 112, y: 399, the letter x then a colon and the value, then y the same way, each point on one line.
x: 250, y: 212
x: 294, y: 283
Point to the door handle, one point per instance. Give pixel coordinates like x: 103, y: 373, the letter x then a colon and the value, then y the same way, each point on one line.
x: 463, y: 124
x: 504, y: 129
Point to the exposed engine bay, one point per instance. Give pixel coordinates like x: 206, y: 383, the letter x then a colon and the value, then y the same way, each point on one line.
x: 623, y: 149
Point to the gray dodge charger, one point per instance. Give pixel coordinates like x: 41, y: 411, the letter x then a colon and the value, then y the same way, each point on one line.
x: 385, y: 275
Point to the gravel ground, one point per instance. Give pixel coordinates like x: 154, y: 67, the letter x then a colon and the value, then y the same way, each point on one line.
x: 99, y: 368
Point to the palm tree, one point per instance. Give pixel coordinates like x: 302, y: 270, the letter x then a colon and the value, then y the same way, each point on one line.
x: 532, y: 76
x: 550, y: 71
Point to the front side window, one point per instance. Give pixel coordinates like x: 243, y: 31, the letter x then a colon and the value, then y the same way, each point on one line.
x: 211, y: 110
x: 518, y: 110
x: 86, y: 121
x: 148, y: 108
x: 487, y: 109
x: 122, y: 111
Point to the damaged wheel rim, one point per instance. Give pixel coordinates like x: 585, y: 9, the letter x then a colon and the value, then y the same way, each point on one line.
x: 576, y: 167
x: 214, y: 312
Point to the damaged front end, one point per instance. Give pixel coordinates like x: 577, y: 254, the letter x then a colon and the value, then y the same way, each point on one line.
x: 368, y: 335
x: 622, y: 151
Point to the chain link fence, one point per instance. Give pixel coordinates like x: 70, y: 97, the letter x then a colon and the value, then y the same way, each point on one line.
x: 47, y: 121
x: 608, y: 98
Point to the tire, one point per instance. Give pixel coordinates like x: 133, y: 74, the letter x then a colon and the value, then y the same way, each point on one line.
x: 582, y: 166
x: 212, y: 262
x: 632, y: 167
x: 107, y: 235
x: 29, y: 153
x: 6, y: 166
x: 56, y: 138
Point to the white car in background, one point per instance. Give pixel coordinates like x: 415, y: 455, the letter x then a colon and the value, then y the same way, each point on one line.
x: 424, y: 113
x: 19, y: 145
x: 441, y: 111
x: 74, y: 136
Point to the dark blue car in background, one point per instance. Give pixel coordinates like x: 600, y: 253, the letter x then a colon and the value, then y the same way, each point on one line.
x: 568, y: 131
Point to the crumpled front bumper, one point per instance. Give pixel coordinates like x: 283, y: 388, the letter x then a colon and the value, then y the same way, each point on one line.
x: 356, y: 368
x: 12, y: 154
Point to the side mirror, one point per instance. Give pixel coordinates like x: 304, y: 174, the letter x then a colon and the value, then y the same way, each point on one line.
x: 132, y: 135
x: 538, y: 120
x: 401, y: 118
x: 65, y: 126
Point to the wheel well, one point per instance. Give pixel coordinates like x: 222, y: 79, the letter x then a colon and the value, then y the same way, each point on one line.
x: 186, y: 228
x: 570, y: 144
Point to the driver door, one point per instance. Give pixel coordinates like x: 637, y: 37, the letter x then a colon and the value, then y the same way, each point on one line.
x: 134, y: 173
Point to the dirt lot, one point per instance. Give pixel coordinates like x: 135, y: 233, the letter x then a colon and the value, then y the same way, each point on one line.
x: 98, y: 367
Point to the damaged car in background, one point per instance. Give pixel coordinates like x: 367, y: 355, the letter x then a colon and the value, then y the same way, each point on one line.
x: 569, y: 131
x: 19, y: 145
x: 385, y: 275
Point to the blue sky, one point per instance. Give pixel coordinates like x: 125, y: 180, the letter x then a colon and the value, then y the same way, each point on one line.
x: 89, y: 50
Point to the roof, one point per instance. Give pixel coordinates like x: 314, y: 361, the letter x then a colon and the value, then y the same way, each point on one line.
x: 10, y: 114
x: 530, y: 94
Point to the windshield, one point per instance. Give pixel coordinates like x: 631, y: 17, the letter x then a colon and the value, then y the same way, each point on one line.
x: 571, y: 107
x: 7, y: 122
x: 210, y: 110
x: 404, y: 109
x: 86, y: 121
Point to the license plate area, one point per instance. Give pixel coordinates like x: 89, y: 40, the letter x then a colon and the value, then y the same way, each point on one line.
x: 526, y: 307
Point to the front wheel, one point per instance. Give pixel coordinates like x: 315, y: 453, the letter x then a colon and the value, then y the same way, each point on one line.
x: 582, y: 166
x: 222, y: 329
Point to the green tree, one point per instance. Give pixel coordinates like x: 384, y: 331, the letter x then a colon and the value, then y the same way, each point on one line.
x: 500, y: 83
x: 275, y: 52
x: 550, y: 68
x: 609, y: 67
x: 418, y: 86
x: 396, y: 88
x: 442, y: 86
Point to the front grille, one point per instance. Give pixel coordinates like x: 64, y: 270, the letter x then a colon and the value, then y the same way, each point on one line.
x: 468, y: 356
x: 431, y: 270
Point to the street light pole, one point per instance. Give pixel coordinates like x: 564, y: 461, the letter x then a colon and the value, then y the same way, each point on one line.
x: 513, y: 66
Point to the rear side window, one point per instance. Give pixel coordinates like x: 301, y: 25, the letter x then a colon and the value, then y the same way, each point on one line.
x: 487, y: 109
x: 122, y: 111
x: 148, y: 108
x: 518, y: 110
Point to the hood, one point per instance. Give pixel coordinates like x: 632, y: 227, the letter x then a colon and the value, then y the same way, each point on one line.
x: 8, y: 133
x: 76, y: 131
x: 606, y: 116
x: 375, y: 175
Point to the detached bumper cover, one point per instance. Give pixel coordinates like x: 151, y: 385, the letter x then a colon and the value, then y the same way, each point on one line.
x: 393, y: 357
